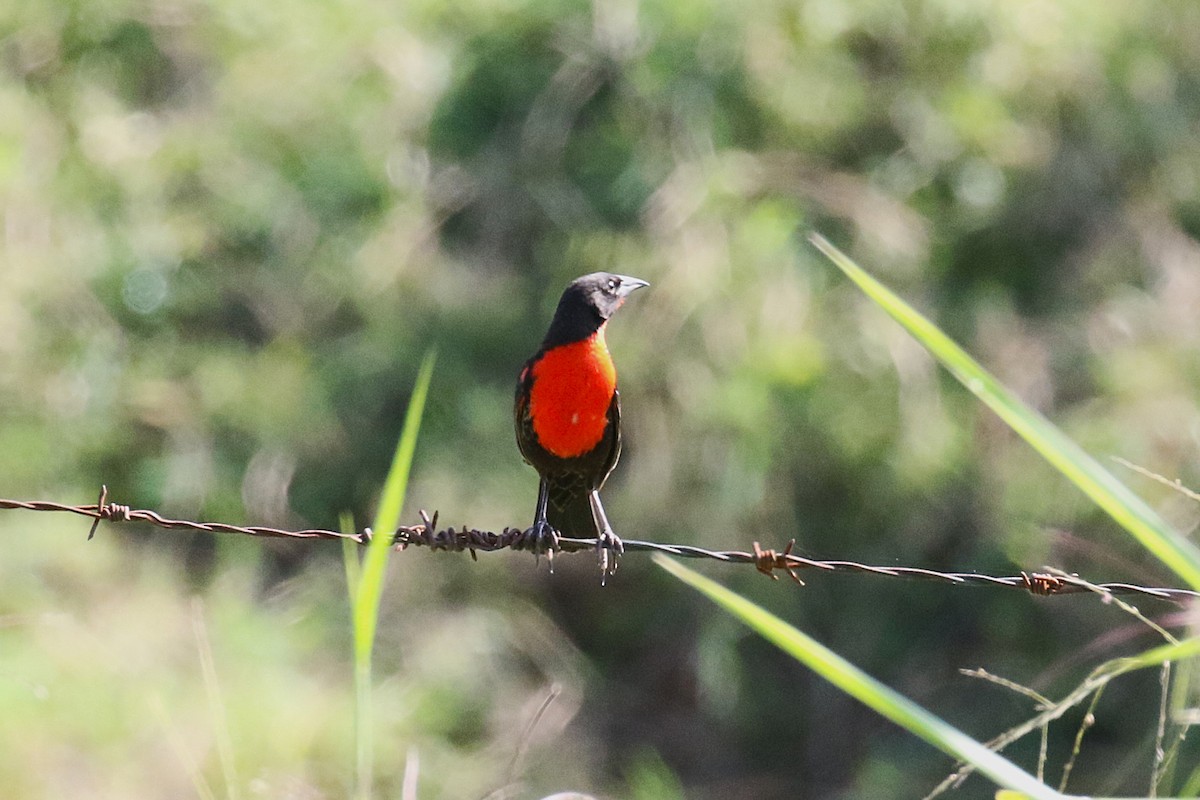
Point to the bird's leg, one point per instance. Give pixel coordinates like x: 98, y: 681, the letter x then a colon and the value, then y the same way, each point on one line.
x: 608, y: 544
x: 544, y: 538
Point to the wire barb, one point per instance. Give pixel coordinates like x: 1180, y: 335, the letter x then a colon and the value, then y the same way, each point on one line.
x: 767, y: 561
x: 1042, y: 583
x: 473, y: 540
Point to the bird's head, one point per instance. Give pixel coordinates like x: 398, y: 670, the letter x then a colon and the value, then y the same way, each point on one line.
x: 602, y: 291
x: 587, y: 303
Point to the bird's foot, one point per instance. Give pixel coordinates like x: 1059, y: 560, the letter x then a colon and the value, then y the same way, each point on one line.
x: 542, y: 538
x: 608, y: 549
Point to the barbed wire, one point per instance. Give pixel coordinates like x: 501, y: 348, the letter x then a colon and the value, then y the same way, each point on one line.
x: 472, y: 540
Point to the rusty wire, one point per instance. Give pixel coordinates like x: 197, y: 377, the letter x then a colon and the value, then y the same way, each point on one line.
x: 473, y: 540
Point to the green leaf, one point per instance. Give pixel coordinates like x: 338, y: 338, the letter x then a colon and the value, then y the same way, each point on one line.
x: 366, y: 583
x: 1130, y: 511
x: 856, y: 683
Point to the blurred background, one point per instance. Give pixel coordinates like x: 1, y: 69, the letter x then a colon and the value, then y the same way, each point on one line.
x: 230, y: 230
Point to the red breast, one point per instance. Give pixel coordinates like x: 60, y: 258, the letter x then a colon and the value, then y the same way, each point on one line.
x: 573, y: 385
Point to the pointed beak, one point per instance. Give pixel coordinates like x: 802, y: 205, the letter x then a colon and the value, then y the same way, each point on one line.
x: 630, y: 285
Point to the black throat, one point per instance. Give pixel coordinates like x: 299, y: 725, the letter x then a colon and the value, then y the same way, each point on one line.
x: 574, y: 320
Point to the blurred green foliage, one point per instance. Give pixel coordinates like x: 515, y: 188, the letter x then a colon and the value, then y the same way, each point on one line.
x: 229, y: 230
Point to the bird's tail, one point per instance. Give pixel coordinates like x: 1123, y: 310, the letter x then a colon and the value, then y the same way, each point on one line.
x: 570, y: 513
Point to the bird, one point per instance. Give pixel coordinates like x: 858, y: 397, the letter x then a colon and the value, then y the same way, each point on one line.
x: 567, y: 415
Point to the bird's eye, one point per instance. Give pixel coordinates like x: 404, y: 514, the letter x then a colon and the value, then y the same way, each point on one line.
x: 614, y: 284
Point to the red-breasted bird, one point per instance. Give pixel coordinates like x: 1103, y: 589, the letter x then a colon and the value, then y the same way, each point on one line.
x: 568, y: 415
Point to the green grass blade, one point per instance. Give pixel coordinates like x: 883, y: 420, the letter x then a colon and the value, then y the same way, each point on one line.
x: 368, y: 579
x: 391, y: 504
x: 350, y: 559
x: 856, y: 683
x: 1106, y: 491
x: 1173, y: 652
x: 1157, y: 656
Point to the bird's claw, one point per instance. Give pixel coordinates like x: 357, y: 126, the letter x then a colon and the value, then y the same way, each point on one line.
x: 608, y: 549
x: 542, y: 538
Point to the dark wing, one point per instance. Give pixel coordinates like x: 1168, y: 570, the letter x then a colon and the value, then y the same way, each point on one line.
x: 522, y: 422
x: 612, y: 435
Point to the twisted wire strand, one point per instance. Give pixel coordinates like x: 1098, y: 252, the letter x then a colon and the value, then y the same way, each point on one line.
x: 473, y: 540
